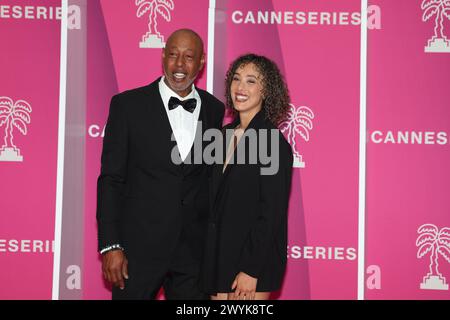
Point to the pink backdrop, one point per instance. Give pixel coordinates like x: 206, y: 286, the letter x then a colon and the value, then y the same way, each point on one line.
x: 116, y: 61
x: 408, y: 180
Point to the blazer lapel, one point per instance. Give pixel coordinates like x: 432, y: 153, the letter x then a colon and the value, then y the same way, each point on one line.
x: 255, y: 123
x: 219, y: 175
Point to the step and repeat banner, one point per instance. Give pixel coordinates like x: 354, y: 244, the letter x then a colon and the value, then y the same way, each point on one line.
x: 317, y: 45
x: 29, y: 109
x: 323, y: 129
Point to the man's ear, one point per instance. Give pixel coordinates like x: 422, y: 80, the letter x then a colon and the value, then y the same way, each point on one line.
x: 202, y: 61
x: 163, y: 53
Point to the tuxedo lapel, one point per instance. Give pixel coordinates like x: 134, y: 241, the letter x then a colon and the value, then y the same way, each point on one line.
x: 204, y: 123
x: 160, y: 121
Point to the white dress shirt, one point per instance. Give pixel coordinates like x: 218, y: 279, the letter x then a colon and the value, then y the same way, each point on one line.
x: 183, y: 123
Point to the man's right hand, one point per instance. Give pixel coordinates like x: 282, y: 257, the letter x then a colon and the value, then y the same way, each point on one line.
x: 115, y: 267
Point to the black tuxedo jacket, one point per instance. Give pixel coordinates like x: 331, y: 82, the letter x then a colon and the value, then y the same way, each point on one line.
x: 145, y: 201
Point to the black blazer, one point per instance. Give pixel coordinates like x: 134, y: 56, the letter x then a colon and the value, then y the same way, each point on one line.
x: 248, y: 222
x: 145, y: 202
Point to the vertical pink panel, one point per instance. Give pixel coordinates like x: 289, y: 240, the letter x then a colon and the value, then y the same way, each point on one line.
x: 116, y: 62
x: 316, y: 45
x: 100, y: 70
x: 408, y: 176
x: 29, y: 87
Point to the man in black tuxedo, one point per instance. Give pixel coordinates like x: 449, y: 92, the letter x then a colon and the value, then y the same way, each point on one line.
x: 152, y: 211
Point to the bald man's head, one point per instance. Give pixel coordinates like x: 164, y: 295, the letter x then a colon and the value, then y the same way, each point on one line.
x: 187, y: 33
x: 183, y: 58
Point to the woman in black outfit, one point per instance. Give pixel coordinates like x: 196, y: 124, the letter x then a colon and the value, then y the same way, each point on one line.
x: 245, y: 256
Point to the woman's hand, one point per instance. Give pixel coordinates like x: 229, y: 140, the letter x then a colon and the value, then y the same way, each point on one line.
x: 244, y: 287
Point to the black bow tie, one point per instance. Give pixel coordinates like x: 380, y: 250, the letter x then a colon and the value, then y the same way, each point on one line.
x: 188, y: 105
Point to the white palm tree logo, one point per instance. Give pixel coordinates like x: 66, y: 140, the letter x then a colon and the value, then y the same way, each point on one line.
x: 153, y: 39
x: 13, y: 115
x: 440, y: 9
x: 299, y: 121
x: 436, y: 241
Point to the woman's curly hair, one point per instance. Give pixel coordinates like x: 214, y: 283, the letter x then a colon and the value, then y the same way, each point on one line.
x: 275, y: 92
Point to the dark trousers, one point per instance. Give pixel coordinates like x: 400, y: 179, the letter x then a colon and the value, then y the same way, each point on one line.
x: 179, y: 278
